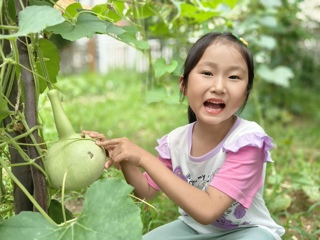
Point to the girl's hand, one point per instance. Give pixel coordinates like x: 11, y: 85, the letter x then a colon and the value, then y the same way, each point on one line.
x: 122, y: 149
x: 100, y: 137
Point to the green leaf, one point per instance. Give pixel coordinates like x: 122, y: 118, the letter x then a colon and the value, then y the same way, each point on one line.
x: 119, y: 6
x: 106, y: 12
x: 27, y: 226
x: 127, y: 34
x: 4, y: 110
x: 34, y: 19
x: 55, y: 212
x: 279, y: 75
x: 269, y: 21
x: 11, y: 10
x: 40, y: 2
x: 108, y: 213
x: 195, y: 14
x: 51, y: 60
x: 267, y: 42
x: 73, y: 10
x: 231, y: 3
x: 219, y: 3
x: 86, y: 25
x: 131, y: 40
x: 113, y: 29
x: 161, y: 68
x: 130, y: 29
x: 160, y: 29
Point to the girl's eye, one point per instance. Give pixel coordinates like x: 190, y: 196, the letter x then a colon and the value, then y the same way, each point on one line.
x: 234, y: 77
x: 207, y: 73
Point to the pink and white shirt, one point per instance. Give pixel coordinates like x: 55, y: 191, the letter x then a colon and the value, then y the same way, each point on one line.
x: 236, y: 167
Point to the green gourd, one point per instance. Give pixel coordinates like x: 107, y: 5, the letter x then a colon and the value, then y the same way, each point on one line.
x: 79, y: 156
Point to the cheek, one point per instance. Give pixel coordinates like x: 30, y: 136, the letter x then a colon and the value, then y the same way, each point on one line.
x: 241, y: 100
x: 195, y: 87
x: 238, y: 98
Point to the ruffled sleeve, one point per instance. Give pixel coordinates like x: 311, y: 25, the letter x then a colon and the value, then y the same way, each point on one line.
x: 163, y: 148
x: 241, y: 175
x: 163, y: 156
x: 256, y: 139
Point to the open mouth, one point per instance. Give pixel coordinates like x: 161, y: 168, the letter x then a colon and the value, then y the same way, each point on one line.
x: 214, y: 106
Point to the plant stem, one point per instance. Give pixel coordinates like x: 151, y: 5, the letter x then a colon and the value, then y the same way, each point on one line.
x: 6, y: 27
x: 23, y: 135
x: 62, y: 197
x: 20, y: 185
x: 13, y: 142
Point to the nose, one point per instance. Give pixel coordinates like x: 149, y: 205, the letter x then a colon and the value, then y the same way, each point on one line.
x: 218, y: 85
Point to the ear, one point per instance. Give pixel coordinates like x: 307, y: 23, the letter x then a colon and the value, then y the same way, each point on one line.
x: 182, y: 87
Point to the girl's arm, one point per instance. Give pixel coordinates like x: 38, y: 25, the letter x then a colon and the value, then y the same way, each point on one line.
x: 132, y: 173
x: 135, y: 178
x: 204, y: 207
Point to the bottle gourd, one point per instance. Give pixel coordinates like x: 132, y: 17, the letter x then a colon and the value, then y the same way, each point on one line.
x: 79, y: 156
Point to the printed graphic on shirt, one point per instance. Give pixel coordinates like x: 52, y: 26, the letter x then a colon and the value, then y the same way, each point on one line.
x: 200, y: 182
x: 234, y: 215
x: 178, y: 171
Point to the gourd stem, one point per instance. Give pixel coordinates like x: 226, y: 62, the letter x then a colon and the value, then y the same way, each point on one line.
x: 62, y: 122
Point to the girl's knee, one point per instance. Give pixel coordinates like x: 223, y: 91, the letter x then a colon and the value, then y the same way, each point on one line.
x: 255, y: 233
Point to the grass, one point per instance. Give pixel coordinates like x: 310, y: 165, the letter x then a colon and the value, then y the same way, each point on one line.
x: 115, y: 105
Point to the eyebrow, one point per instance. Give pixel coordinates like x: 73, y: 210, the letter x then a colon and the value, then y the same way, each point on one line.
x: 212, y: 64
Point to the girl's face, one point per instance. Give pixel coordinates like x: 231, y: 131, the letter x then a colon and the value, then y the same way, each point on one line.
x: 217, y: 85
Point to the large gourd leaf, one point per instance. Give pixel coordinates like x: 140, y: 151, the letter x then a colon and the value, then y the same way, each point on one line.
x: 86, y: 25
x: 108, y: 213
x: 34, y: 19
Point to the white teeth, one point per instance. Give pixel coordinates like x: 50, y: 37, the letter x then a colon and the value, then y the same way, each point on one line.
x: 215, y: 102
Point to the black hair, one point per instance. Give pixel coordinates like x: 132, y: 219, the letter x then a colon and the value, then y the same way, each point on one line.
x: 198, y: 49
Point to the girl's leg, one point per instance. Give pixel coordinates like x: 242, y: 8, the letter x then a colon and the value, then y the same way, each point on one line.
x: 178, y: 230
x: 175, y: 230
x: 250, y: 233
x: 255, y: 233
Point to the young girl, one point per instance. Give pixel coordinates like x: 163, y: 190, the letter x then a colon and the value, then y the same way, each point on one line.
x: 212, y: 168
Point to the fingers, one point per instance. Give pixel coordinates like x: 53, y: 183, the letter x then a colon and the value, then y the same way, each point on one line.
x: 112, y: 147
x: 111, y: 144
x: 117, y: 165
x: 93, y: 134
x: 109, y: 163
x: 113, y: 141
